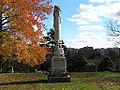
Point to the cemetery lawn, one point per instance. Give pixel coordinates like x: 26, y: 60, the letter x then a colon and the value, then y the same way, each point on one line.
x: 79, y: 81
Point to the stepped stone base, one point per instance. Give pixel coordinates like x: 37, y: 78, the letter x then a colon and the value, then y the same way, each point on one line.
x: 58, y: 70
x: 53, y: 79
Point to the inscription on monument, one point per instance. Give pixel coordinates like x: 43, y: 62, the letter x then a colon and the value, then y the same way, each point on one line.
x: 59, y: 64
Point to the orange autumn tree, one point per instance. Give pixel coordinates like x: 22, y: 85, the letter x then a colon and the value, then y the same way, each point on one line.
x: 21, y: 30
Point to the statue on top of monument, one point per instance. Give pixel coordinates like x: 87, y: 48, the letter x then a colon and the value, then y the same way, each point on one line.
x: 57, y: 12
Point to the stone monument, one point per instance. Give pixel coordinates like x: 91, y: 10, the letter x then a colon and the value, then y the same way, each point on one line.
x: 58, y: 71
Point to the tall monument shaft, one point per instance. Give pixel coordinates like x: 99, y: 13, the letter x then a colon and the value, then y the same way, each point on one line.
x: 57, y: 23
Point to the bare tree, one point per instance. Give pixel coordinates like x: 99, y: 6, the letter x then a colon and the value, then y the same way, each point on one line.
x: 113, y: 27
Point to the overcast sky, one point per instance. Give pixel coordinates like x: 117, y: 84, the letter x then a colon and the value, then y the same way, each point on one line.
x: 83, y: 22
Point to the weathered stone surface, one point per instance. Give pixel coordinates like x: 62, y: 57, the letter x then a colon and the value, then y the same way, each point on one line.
x: 58, y: 71
x: 58, y: 62
x: 57, y: 21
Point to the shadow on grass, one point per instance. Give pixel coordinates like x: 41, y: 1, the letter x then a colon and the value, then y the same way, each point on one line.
x: 24, y: 82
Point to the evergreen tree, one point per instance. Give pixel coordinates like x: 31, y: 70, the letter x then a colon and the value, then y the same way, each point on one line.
x: 106, y: 65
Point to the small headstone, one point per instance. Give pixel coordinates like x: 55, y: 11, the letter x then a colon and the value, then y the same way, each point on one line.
x: 36, y: 70
x: 12, y: 69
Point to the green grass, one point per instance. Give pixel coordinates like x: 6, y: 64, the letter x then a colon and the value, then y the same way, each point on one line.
x: 79, y: 81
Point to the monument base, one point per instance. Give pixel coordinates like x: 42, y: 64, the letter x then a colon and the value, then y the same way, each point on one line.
x: 53, y: 79
x: 58, y: 70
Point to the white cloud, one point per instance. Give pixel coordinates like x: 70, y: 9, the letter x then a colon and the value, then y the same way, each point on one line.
x: 103, y: 1
x: 87, y: 17
x: 90, y: 39
x: 91, y: 27
x: 92, y: 13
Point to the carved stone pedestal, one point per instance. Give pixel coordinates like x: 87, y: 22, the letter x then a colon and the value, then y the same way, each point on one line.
x: 58, y: 70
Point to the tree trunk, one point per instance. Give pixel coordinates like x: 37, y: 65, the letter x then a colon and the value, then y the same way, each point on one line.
x: 0, y: 22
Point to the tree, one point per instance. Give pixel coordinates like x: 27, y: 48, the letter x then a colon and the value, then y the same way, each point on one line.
x: 21, y: 30
x: 76, y: 63
x: 80, y: 62
x: 51, y: 39
x: 113, y: 27
x: 106, y: 65
x: 50, y: 33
